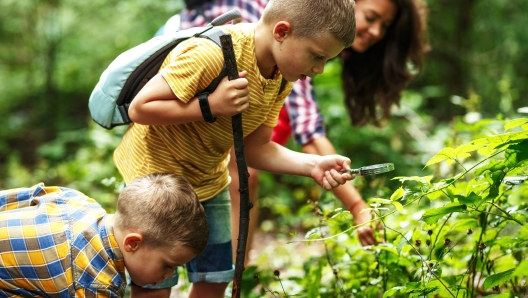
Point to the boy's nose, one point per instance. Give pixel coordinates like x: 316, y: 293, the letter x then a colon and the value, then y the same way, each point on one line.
x: 318, y: 69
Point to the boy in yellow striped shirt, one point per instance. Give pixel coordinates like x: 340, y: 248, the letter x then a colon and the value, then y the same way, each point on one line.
x: 171, y: 133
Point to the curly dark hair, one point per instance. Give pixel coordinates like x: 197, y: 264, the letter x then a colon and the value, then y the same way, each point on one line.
x: 377, y: 76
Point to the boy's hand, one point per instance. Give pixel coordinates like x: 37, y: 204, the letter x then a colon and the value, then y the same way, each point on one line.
x: 326, y: 171
x: 230, y: 97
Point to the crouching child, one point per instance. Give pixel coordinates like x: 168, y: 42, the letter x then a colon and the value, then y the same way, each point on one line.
x: 57, y: 242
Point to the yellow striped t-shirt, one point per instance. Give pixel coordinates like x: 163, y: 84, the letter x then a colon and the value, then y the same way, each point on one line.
x: 199, y: 150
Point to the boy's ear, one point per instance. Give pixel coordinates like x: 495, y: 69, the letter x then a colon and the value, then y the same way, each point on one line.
x: 281, y: 30
x: 132, y: 241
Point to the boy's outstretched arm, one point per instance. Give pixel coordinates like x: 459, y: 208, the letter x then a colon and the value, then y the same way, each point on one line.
x: 346, y: 193
x: 156, y: 103
x: 268, y: 156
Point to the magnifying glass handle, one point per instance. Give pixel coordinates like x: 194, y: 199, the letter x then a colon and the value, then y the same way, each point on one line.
x: 352, y: 171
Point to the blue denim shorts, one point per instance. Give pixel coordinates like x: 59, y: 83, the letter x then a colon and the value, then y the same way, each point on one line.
x: 215, y: 264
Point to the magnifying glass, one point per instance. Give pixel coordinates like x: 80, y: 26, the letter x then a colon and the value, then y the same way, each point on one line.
x: 371, y: 170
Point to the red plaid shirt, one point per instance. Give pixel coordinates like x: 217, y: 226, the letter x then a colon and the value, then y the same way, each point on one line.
x: 305, y: 119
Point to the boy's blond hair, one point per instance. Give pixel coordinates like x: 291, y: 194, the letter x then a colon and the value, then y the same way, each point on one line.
x: 164, y: 208
x: 313, y: 18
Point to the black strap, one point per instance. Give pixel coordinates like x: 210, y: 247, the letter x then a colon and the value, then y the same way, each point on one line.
x: 283, y: 85
x: 204, y: 107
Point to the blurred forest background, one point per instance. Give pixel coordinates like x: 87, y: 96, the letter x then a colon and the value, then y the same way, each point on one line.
x: 52, y: 53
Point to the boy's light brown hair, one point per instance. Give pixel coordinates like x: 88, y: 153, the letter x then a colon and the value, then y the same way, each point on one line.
x: 313, y: 18
x: 164, y: 208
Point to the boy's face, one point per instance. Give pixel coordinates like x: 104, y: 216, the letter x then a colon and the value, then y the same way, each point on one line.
x: 298, y: 58
x: 148, y: 265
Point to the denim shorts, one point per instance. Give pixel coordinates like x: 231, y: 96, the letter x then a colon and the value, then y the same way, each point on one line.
x: 215, y: 264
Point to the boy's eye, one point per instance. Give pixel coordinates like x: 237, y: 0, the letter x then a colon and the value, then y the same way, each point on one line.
x: 167, y: 266
x: 317, y: 57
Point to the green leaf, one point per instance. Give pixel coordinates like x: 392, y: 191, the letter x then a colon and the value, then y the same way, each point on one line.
x: 380, y: 200
x: 471, y: 199
x: 463, y: 155
x: 497, y: 279
x: 446, y: 153
x: 398, y: 206
x: 424, y: 179
x: 470, y: 147
x: 522, y: 269
x: 393, y: 291
x: 523, y: 233
x: 397, y: 194
x: 515, y: 123
x: 431, y: 216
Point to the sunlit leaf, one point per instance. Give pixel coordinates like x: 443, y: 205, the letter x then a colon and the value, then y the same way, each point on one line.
x: 522, y: 269
x: 446, y: 153
x: 431, y: 216
x: 398, y: 206
x: 470, y: 199
x: 523, y: 233
x: 397, y: 194
x: 424, y: 179
x: 497, y: 279
x: 515, y: 123
x: 393, y: 291
x: 380, y: 200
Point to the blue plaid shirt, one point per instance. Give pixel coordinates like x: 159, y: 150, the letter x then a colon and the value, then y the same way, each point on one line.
x: 56, y: 242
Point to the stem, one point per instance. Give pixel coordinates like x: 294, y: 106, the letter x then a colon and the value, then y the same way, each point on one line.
x: 421, y: 257
x: 508, y: 216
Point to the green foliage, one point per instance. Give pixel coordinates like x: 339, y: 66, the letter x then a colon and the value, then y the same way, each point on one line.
x: 53, y: 53
x: 459, y: 233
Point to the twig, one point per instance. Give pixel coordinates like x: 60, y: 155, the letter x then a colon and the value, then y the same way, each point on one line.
x: 243, y: 174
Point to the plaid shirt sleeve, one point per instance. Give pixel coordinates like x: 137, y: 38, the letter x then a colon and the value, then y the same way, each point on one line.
x: 38, y: 232
x: 251, y: 11
x: 306, y: 120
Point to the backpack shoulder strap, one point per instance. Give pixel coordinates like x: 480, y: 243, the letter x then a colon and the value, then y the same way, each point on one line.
x: 282, y: 85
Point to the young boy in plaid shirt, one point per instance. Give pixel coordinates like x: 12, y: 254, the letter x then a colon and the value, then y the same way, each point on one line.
x: 57, y: 242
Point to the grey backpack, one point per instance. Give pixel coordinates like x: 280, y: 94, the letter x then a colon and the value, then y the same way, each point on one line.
x: 131, y: 70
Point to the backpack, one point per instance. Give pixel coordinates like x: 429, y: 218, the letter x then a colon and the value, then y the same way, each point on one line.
x: 130, y: 71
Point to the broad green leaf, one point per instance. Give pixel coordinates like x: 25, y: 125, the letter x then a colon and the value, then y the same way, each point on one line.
x: 470, y: 147
x: 522, y: 269
x: 523, y: 233
x: 431, y: 216
x: 471, y: 199
x: 398, y: 206
x: 515, y: 123
x: 493, y: 165
x: 380, y: 200
x: 480, y: 142
x: 497, y: 279
x: 397, y: 194
x: 463, y: 155
x: 393, y: 291
x: 446, y: 153
x: 422, y: 179
x: 486, y: 151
